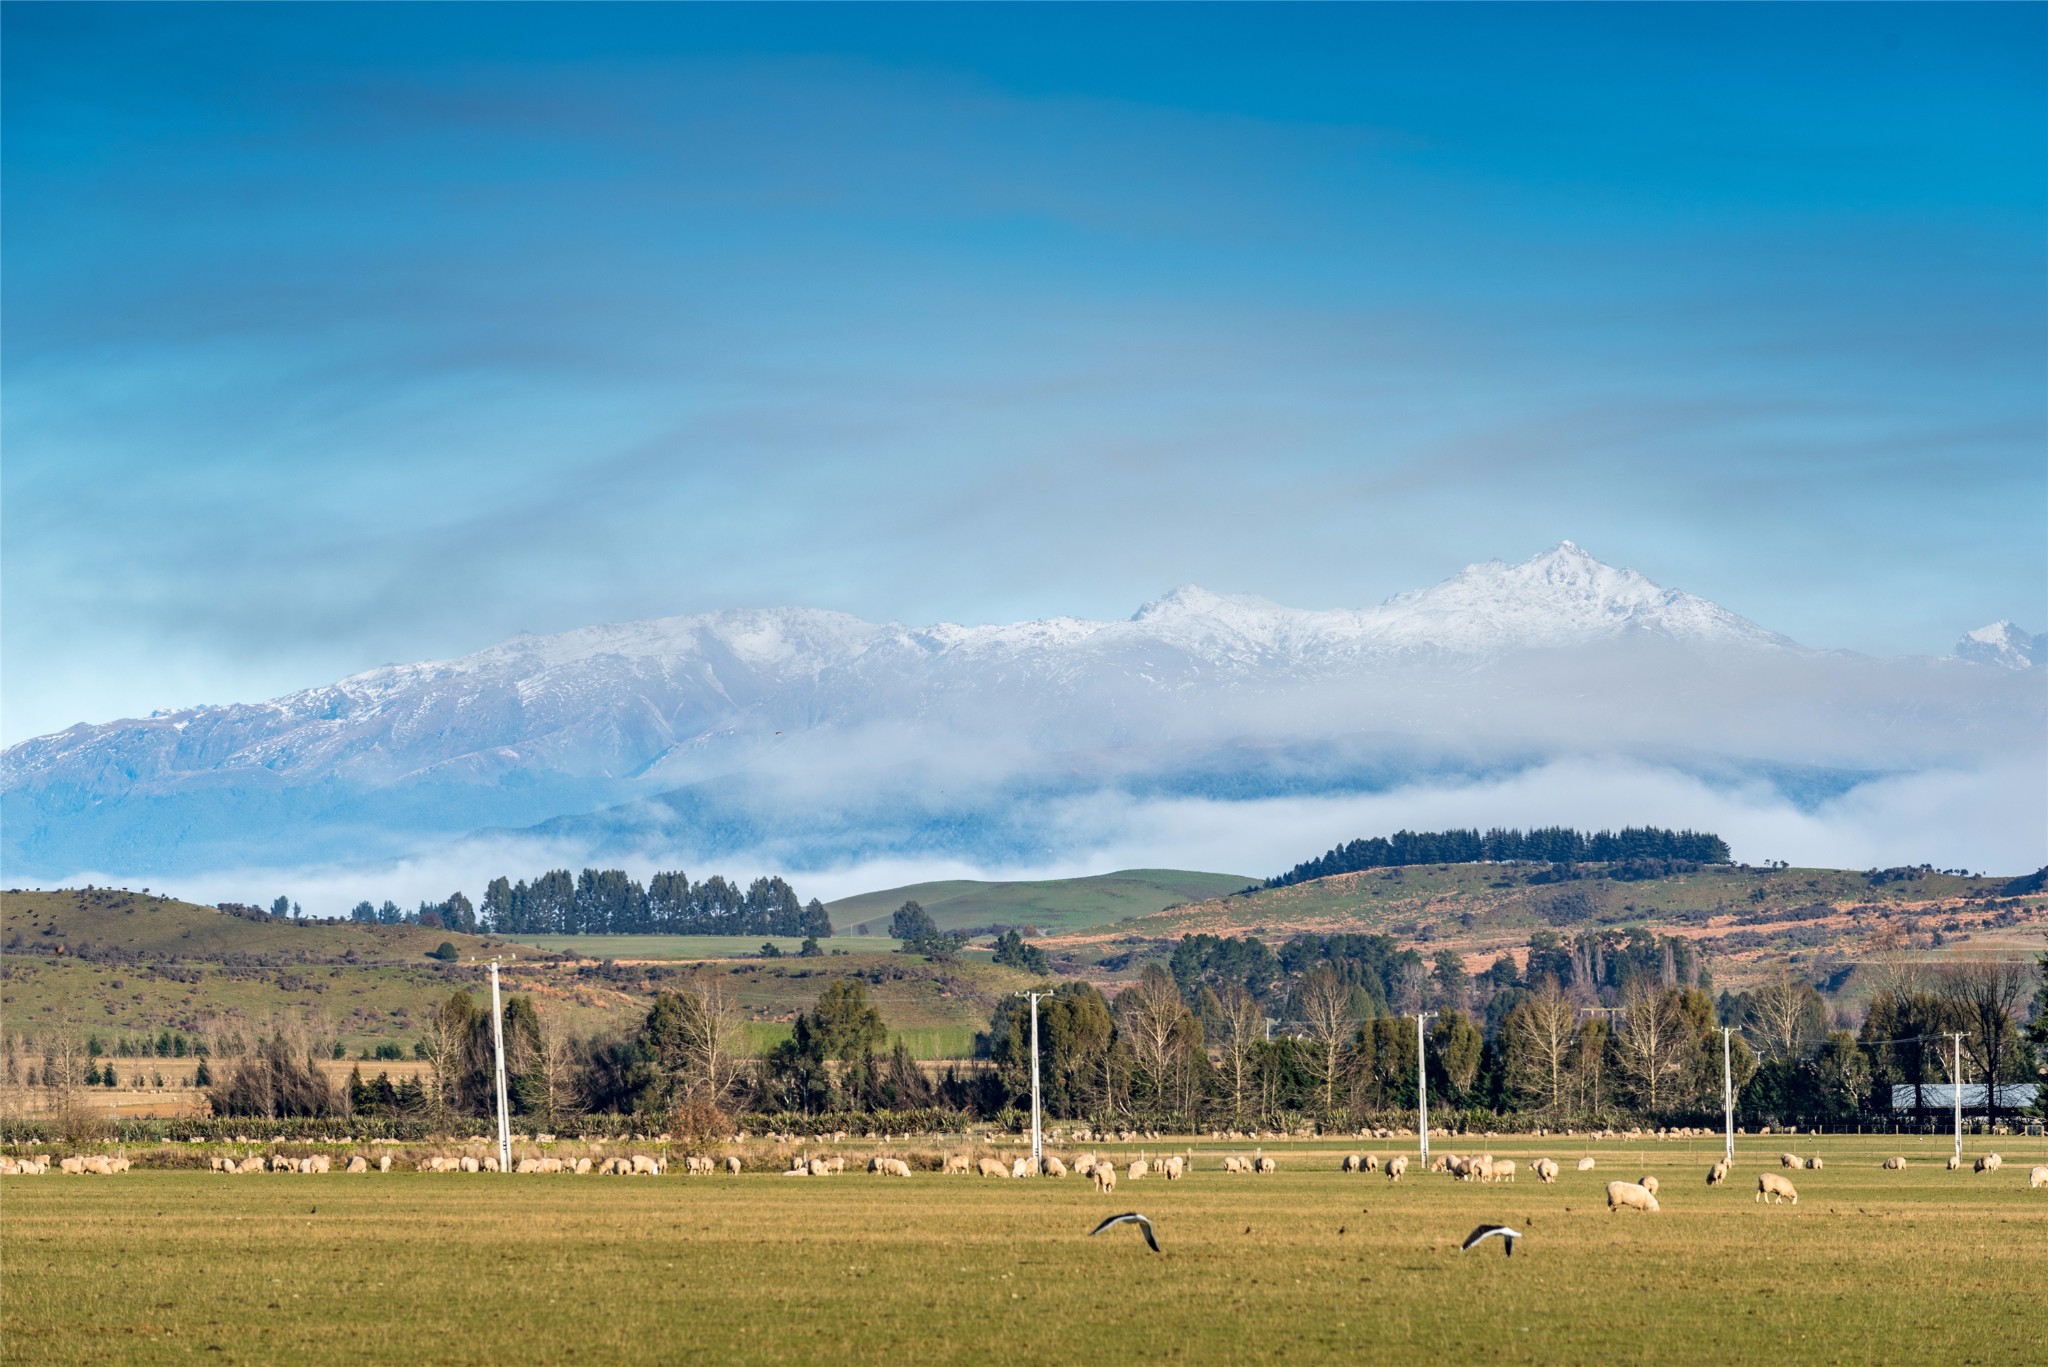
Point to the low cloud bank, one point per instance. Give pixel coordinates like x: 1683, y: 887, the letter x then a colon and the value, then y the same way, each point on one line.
x: 1992, y: 818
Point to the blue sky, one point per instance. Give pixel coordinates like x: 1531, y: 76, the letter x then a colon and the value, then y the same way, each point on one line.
x: 338, y: 336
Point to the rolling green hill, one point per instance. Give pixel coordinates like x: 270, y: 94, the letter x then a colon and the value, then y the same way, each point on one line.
x: 1750, y: 922
x: 1050, y: 904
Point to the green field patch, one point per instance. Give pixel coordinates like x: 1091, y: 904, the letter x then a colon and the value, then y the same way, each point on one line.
x: 1050, y: 904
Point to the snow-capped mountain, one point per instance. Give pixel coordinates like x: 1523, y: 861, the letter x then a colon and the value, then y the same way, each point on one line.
x: 2001, y: 643
x: 793, y: 709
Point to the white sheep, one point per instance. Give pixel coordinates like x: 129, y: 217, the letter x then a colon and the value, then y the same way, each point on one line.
x: 1545, y: 1170
x: 993, y: 1167
x: 1504, y: 1171
x: 1585, y: 1165
x: 1173, y: 1168
x: 1352, y: 1163
x: 1138, y: 1168
x: 732, y: 1165
x: 1894, y: 1164
x: 1631, y: 1195
x: 1770, y: 1186
x: 1396, y: 1167
x: 2038, y: 1177
x: 1717, y: 1174
x: 1263, y: 1164
x: 1954, y: 1161
x: 1990, y: 1162
x: 1104, y: 1175
x: 1791, y: 1160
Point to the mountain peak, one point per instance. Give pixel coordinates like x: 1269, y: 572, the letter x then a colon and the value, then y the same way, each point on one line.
x: 2001, y: 643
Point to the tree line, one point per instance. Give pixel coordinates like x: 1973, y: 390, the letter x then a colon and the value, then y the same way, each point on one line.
x: 609, y: 902
x: 1549, y: 845
x: 1605, y: 1027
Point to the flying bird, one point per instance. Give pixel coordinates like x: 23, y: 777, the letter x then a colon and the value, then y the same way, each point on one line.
x: 1142, y: 1223
x: 1484, y: 1232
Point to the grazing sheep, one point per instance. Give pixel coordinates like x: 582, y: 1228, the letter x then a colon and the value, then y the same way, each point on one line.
x: 1585, y: 1165
x: 1443, y: 1163
x: 1954, y: 1161
x: 1791, y: 1160
x: 1648, y: 1184
x: 384, y: 1162
x: 1263, y: 1164
x: 582, y: 1167
x: 1020, y: 1167
x: 1717, y: 1174
x: 358, y: 1164
x: 1084, y: 1163
x: 1990, y: 1162
x: 993, y: 1167
x: 1631, y: 1195
x: 2038, y: 1177
x: 1138, y: 1168
x: 1771, y: 1187
x: 1232, y: 1163
x: 1353, y: 1163
x: 1396, y: 1166
x: 254, y: 1163
x: 1173, y: 1168
x: 1050, y: 1166
x: 957, y: 1162
x: 1894, y: 1164
x: 1105, y: 1178
x: 1504, y: 1170
x: 1813, y: 1164
x: 820, y: 1168
x: 1372, y: 1163
x: 732, y: 1165
x: 1545, y: 1170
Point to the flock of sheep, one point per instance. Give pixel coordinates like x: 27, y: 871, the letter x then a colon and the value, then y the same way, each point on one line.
x: 1772, y: 1187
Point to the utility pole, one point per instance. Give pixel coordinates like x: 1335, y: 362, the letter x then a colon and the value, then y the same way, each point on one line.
x: 498, y: 1044
x: 1422, y: 1085
x: 1037, y: 1113
x: 1728, y: 1095
x: 1958, y: 1096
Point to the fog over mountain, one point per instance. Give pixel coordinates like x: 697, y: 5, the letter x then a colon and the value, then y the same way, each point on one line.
x: 1207, y: 729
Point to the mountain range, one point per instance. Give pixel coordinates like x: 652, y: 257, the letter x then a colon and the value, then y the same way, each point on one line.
x: 824, y: 738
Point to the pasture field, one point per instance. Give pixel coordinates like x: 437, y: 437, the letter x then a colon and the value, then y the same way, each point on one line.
x: 1309, y: 1265
x: 1052, y: 904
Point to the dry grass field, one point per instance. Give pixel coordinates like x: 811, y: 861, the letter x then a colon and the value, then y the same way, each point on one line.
x: 1309, y: 1265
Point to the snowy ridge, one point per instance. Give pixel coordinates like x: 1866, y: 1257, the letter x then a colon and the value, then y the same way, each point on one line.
x: 2002, y: 644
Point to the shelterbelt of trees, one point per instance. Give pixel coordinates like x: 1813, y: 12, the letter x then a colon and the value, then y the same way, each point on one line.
x: 1658, y: 850
x: 1602, y: 1027
x: 608, y: 902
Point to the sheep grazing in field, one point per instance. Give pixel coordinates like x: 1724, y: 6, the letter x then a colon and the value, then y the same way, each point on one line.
x: 1954, y: 1161
x: 1049, y: 1166
x: 1174, y: 1168
x: 1770, y: 1187
x: 1894, y: 1164
x: 1990, y: 1162
x: 1813, y: 1164
x: 1372, y: 1163
x: 820, y: 1168
x: 1791, y: 1160
x: 1105, y: 1178
x: 1545, y: 1170
x: 1630, y: 1195
x: 582, y: 1167
x: 1084, y: 1163
x: 384, y: 1162
x: 320, y: 1163
x: 2038, y: 1177
x: 732, y: 1165
x: 1232, y: 1163
x: 358, y: 1163
x: 993, y: 1167
x: 957, y: 1162
x: 1396, y: 1167
x: 1020, y: 1167
x: 254, y: 1163
x: 71, y: 1167
x: 1648, y: 1184
x: 1585, y: 1165
x: 1138, y: 1168
x: 1717, y: 1174
x: 1263, y: 1164
x: 470, y: 1164
x: 1503, y: 1170
x: 1352, y: 1163
x: 1444, y: 1163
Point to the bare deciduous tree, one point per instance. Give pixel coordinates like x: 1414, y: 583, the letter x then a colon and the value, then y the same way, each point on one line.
x: 1984, y: 993
x: 1649, y: 1045
x: 1543, y: 1029
x: 1323, y: 1002
x: 1242, y: 1026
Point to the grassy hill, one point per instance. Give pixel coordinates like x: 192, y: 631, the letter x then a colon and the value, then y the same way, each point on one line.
x: 122, y: 965
x: 1050, y: 904
x: 1749, y: 922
